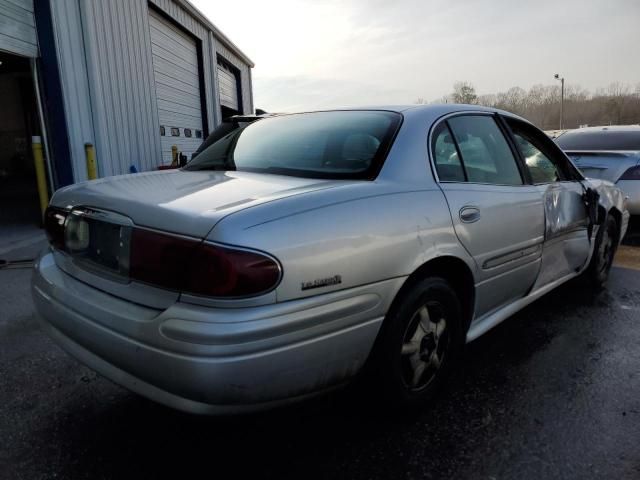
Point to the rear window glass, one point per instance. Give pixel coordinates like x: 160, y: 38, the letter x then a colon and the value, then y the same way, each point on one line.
x: 599, y: 140
x: 339, y: 144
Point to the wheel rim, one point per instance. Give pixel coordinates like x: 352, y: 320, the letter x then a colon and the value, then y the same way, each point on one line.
x: 606, y: 251
x: 424, y: 346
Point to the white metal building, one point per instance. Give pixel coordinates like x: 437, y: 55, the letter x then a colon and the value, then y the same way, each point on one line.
x: 131, y: 77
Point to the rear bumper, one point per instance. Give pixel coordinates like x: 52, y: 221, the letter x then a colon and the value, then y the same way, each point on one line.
x: 631, y: 189
x: 213, y: 360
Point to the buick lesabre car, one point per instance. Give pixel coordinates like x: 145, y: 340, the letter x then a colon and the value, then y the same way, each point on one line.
x: 295, y: 251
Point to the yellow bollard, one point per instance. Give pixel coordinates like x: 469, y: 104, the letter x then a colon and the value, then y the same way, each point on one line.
x: 174, y: 155
x: 41, y: 176
x: 92, y: 166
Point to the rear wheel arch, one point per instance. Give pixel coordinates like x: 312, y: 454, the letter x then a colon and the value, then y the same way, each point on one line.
x: 452, y: 269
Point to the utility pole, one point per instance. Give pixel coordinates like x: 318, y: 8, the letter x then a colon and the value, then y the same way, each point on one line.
x: 558, y: 77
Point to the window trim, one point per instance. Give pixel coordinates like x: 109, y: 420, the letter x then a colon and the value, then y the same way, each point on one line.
x: 470, y: 113
x: 566, y: 167
x: 432, y: 146
x: 511, y: 139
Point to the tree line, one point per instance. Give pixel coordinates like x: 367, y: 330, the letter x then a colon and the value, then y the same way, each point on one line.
x: 617, y: 104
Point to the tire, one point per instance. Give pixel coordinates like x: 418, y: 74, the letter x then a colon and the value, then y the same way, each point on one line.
x: 418, y: 345
x: 605, y: 249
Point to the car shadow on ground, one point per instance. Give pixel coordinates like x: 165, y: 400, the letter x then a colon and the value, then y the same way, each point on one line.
x: 504, y: 393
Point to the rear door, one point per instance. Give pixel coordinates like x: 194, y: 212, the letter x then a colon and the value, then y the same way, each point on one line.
x: 497, y: 216
x: 566, y: 239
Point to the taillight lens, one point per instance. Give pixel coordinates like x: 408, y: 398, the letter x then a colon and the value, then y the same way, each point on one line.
x: 160, y: 259
x: 200, y: 268
x: 632, y: 173
x: 54, y: 222
x: 219, y: 271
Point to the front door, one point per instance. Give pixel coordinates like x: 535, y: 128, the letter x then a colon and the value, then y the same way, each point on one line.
x: 566, y: 239
x: 497, y: 217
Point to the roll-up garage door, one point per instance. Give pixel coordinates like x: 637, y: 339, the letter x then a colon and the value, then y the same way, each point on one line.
x: 18, y: 28
x: 228, y: 87
x: 175, y: 67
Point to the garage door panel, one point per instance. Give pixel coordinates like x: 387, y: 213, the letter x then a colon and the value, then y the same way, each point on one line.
x: 167, y: 28
x: 185, y: 83
x: 175, y: 53
x: 178, y: 97
x: 177, y: 60
x: 228, y: 83
x: 20, y: 13
x: 170, y: 107
x: 176, y: 86
x: 228, y: 87
x: 179, y: 72
x: 177, y: 80
x: 180, y: 120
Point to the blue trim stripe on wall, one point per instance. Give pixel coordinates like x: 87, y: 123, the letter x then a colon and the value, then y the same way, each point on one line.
x: 53, y: 102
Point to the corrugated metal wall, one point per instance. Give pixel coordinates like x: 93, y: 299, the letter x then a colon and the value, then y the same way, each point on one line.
x: 105, y: 55
x: 75, y: 83
x: 17, y: 27
x: 120, y: 70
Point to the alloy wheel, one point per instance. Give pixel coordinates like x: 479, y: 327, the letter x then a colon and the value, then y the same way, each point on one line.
x: 424, y: 346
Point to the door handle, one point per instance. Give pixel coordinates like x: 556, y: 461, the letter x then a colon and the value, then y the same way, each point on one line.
x: 469, y: 214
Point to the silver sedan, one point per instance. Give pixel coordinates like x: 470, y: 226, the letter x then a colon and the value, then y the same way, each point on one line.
x: 609, y: 153
x: 297, y: 251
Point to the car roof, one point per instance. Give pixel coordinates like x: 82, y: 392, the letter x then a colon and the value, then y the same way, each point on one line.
x: 435, y: 107
x: 432, y: 111
x: 605, y: 128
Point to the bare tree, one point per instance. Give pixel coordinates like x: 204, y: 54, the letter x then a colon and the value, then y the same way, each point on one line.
x: 464, y: 92
x: 618, y: 94
x: 618, y: 103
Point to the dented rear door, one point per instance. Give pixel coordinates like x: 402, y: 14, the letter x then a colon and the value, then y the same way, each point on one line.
x: 566, y: 241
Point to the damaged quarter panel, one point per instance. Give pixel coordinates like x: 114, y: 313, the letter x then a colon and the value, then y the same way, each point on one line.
x: 612, y: 197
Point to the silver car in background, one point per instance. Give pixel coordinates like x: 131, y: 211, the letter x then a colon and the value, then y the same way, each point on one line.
x: 610, y: 153
x: 296, y: 251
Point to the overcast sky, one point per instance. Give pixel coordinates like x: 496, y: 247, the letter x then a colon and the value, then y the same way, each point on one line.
x: 314, y: 54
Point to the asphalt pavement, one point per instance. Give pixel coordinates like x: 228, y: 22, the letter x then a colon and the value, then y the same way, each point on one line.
x: 553, y: 392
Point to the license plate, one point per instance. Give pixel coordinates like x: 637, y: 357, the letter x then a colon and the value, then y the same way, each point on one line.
x: 97, y: 243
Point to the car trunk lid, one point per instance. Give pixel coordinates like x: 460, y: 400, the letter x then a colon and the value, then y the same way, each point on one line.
x: 183, y: 202
x: 605, y: 165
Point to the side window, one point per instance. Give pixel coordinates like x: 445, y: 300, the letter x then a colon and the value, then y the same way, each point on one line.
x: 543, y: 164
x: 485, y: 152
x: 445, y: 155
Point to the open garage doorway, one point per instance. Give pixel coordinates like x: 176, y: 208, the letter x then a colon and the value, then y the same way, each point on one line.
x: 20, y: 209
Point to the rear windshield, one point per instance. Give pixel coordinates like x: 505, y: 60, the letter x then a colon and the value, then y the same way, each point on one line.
x: 336, y: 145
x: 602, y: 140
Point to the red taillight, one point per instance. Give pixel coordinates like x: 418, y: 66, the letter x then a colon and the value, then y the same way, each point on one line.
x: 54, y: 222
x: 220, y: 271
x: 632, y: 173
x: 199, y: 268
x: 159, y: 259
